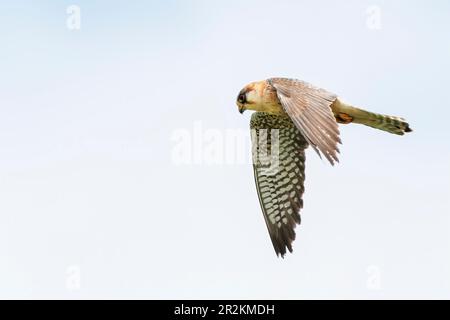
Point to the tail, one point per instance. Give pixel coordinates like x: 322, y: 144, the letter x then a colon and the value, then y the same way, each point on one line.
x: 345, y: 113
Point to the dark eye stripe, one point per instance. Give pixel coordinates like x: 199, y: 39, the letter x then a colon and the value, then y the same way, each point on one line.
x: 242, y: 98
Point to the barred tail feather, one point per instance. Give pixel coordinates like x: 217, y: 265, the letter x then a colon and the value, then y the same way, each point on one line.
x: 390, y: 124
x: 345, y: 114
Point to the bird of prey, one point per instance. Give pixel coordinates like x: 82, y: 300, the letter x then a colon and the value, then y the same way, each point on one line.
x: 290, y: 116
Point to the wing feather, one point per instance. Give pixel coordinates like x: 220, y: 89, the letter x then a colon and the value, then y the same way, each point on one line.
x: 309, y: 109
x: 280, y: 189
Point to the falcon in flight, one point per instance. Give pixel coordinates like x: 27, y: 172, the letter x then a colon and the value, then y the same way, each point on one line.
x: 290, y: 116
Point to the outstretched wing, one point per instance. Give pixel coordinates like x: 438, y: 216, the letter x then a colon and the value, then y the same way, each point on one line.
x: 309, y: 108
x: 279, y: 168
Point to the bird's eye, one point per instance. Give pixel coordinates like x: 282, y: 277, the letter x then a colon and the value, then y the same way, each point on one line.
x: 242, y: 98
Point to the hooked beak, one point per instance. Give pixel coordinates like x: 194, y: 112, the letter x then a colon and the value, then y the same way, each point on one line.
x: 241, y: 108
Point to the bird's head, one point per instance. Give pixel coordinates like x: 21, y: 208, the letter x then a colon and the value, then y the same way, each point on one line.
x: 251, y: 96
x: 258, y: 96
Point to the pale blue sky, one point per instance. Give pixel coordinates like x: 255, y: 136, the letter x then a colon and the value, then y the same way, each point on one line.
x: 87, y: 179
